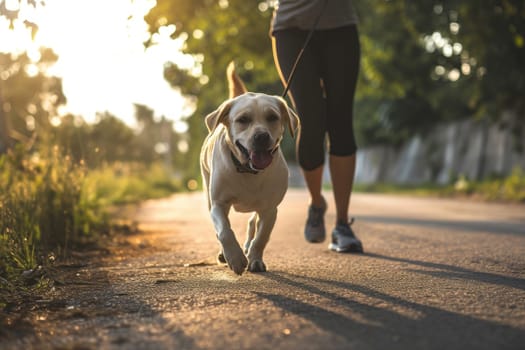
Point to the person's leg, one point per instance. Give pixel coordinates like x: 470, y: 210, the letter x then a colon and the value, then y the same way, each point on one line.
x: 340, y: 71
x: 307, y: 97
x: 314, y: 182
x: 342, y: 169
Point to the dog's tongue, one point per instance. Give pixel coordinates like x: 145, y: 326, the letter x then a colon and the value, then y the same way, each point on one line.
x: 261, y: 159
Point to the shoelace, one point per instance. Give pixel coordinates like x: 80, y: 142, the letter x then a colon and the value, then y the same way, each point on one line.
x: 345, y: 224
x: 346, y: 230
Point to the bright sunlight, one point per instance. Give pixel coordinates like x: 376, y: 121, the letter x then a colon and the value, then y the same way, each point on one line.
x: 102, y: 61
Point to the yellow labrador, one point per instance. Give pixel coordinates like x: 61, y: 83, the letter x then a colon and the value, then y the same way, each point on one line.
x: 242, y: 166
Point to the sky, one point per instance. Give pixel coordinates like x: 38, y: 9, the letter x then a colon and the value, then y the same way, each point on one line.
x: 102, y: 61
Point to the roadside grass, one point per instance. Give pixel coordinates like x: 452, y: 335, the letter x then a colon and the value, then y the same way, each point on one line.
x: 502, y: 189
x: 50, y: 205
x: 124, y: 183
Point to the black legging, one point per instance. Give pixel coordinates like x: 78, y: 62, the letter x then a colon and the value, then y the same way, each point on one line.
x: 322, y: 89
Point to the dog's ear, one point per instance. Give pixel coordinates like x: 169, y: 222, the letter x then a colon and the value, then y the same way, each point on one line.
x: 219, y: 115
x: 290, y: 116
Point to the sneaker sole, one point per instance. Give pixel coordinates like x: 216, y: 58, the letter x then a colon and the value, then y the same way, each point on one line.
x: 351, y: 249
x: 317, y: 240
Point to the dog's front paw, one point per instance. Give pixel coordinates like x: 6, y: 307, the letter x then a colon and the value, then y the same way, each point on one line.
x: 236, y: 260
x: 257, y: 266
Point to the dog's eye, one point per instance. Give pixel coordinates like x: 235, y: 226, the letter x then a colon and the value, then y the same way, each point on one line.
x: 272, y: 118
x: 243, y: 119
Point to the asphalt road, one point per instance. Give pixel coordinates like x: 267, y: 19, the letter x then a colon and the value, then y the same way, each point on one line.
x: 436, y: 274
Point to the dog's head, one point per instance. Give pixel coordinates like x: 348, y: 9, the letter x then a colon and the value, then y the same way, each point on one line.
x: 255, y: 125
x: 255, y: 122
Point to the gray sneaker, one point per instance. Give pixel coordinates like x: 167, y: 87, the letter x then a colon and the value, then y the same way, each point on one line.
x: 314, y: 231
x: 344, y: 239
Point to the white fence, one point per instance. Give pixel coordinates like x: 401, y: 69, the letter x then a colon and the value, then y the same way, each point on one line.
x: 470, y: 148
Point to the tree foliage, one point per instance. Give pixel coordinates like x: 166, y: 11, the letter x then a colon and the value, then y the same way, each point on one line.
x: 423, y: 62
x: 109, y: 140
x: 431, y: 61
x: 28, y: 97
x: 216, y: 32
x: 12, y: 12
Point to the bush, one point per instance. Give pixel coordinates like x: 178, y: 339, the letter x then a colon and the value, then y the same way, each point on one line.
x: 44, y: 207
x: 507, y: 189
x: 49, y: 204
x: 121, y: 183
x: 511, y: 188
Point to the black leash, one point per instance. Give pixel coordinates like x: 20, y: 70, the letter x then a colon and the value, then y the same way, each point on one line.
x: 306, y: 42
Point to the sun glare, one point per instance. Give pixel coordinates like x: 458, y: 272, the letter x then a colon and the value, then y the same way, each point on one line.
x: 15, y: 40
x: 102, y: 61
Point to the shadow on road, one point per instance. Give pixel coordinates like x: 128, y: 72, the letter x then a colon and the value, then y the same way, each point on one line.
x: 379, y: 324
x: 455, y: 272
x: 90, y: 313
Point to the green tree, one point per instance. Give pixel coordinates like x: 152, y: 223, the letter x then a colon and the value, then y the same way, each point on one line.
x: 29, y: 98
x: 216, y: 32
x: 423, y: 62
x: 428, y: 61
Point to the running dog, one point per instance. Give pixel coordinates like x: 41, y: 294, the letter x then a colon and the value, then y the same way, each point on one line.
x: 242, y: 166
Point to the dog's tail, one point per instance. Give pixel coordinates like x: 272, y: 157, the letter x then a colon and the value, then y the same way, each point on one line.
x: 235, y: 84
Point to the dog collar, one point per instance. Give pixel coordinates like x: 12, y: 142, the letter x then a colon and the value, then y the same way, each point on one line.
x: 242, y: 168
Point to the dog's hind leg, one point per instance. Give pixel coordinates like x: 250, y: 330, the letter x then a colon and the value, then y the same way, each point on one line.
x: 265, y: 223
x: 250, y: 232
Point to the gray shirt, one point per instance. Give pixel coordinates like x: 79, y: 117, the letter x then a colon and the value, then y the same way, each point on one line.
x: 302, y: 14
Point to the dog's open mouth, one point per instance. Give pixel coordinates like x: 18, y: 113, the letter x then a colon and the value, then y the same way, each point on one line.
x: 258, y: 159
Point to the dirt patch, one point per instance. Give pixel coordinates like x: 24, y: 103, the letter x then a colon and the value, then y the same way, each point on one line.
x: 76, y: 288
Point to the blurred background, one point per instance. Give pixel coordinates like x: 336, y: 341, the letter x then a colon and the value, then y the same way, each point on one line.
x: 440, y: 96
x: 441, y: 93
x: 103, y: 102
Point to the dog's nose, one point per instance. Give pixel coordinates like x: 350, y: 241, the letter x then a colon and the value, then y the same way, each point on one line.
x: 261, y: 140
